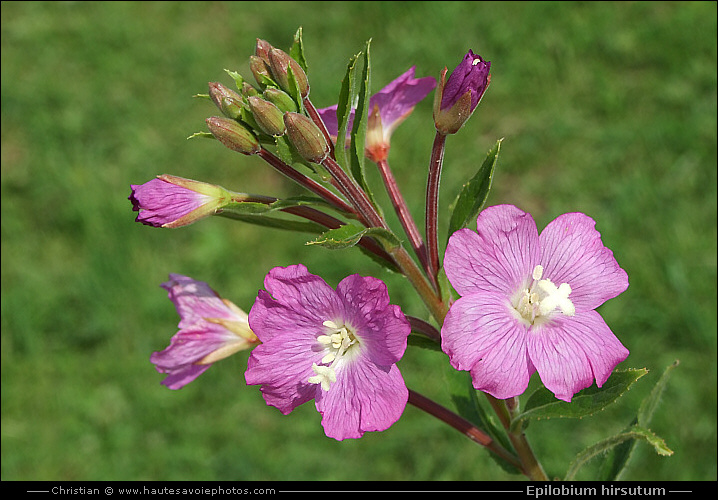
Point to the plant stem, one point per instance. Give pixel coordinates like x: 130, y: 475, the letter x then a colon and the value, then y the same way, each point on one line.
x: 529, y: 464
x: 426, y: 329
x: 402, y: 211
x: 314, y: 115
x: 432, y: 203
x: 462, y: 425
x: 305, y: 181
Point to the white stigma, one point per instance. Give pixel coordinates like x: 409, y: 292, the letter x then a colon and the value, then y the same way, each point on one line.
x: 337, y: 343
x: 535, y: 303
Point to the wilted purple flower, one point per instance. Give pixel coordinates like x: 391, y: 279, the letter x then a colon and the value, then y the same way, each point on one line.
x: 211, y: 328
x: 170, y: 201
x: 393, y: 104
x: 527, y: 303
x: 339, y: 348
x: 458, y: 97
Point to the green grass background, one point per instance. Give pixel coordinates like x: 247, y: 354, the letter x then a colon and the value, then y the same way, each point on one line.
x: 606, y: 108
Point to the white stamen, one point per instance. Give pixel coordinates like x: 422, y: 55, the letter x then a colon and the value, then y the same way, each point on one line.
x: 542, y: 298
x: 324, y: 375
x: 336, y: 345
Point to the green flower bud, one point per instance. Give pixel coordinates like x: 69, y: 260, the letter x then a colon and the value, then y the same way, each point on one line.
x: 279, y: 61
x: 233, y: 135
x: 306, y: 137
x: 248, y: 90
x: 280, y: 99
x: 262, y: 49
x: 267, y: 115
x: 227, y: 100
x: 261, y: 71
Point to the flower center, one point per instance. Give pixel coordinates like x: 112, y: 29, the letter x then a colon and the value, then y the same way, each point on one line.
x: 536, y: 303
x: 336, y: 343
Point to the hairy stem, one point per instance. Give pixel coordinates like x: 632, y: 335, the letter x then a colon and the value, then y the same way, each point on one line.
x: 402, y: 211
x: 432, y: 203
x: 462, y: 425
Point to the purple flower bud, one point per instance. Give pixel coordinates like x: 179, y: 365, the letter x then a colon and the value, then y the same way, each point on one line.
x: 458, y: 96
x: 170, y: 201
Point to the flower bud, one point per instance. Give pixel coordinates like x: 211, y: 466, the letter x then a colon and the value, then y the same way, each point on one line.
x: 170, y: 201
x: 306, y: 137
x: 233, y: 135
x: 280, y: 99
x: 279, y: 62
x: 457, y: 98
x: 248, y: 90
x: 267, y: 115
x: 227, y: 100
x: 262, y: 49
x: 261, y: 71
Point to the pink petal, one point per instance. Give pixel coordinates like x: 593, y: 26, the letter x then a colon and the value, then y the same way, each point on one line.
x: 301, y: 291
x: 501, y: 257
x: 382, y: 328
x: 481, y: 334
x: 571, y: 351
x: 572, y: 252
x: 365, y: 397
x: 283, y: 367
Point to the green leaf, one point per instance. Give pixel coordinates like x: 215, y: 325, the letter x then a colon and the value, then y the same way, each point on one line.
x: 423, y: 342
x: 296, y: 51
x: 204, y: 135
x: 543, y: 404
x: 633, y: 433
x: 650, y: 403
x: 349, y: 235
x: 613, y: 465
x: 470, y: 201
x: 238, y: 79
x: 358, y: 133
x: 264, y: 220
x: 344, y: 108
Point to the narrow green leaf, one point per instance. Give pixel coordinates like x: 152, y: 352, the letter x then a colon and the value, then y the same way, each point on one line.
x: 543, y: 404
x: 633, y: 433
x: 358, y: 133
x: 470, y: 201
x: 238, y: 79
x: 349, y: 235
x: 205, y: 135
x: 293, y: 89
x: 650, y: 403
x: 359, y: 128
x: 344, y: 107
x: 613, y: 465
x: 261, y: 219
x: 296, y: 51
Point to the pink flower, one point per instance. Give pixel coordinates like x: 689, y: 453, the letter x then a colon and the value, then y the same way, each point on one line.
x: 387, y: 109
x: 339, y: 347
x: 211, y: 328
x: 527, y: 303
x: 170, y: 201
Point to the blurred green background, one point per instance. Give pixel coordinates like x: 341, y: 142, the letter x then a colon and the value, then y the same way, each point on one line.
x: 606, y: 108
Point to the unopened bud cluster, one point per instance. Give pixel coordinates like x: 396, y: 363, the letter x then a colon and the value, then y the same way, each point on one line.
x: 270, y: 110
